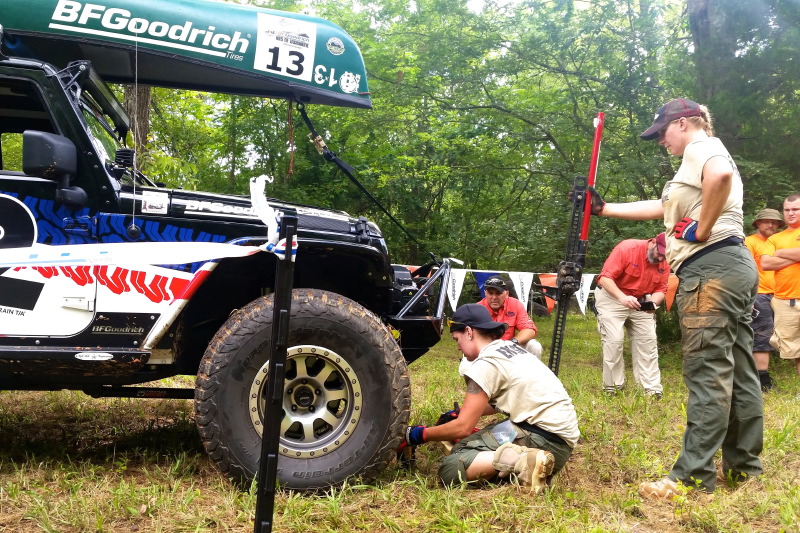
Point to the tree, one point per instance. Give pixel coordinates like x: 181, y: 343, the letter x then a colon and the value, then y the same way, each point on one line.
x: 483, y: 117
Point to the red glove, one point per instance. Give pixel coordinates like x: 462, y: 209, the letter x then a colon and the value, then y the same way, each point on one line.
x: 686, y: 229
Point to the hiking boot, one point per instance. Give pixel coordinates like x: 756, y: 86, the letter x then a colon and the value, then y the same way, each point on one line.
x: 531, y: 465
x: 730, y: 477
x: 664, y: 489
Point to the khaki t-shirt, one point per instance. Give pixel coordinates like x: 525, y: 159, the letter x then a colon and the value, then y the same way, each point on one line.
x: 522, y: 387
x: 682, y: 197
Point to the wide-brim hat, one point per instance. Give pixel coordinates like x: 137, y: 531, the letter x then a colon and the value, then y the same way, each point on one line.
x: 672, y: 110
x: 769, y: 214
x: 474, y: 316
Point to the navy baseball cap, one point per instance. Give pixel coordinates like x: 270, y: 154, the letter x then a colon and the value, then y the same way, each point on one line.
x: 474, y: 316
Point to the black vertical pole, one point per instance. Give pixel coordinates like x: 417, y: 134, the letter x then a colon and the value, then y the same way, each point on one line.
x: 270, y: 436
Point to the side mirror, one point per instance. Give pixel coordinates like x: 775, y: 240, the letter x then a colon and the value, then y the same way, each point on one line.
x: 53, y: 157
x: 49, y: 156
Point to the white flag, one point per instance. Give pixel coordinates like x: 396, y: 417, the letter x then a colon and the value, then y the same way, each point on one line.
x: 456, y: 284
x: 522, y: 284
x: 583, y: 291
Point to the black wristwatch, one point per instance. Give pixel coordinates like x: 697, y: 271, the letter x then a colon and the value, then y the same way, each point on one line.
x: 514, y: 340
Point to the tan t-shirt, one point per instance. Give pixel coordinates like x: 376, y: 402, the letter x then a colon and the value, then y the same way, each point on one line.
x: 682, y: 197
x: 522, y: 387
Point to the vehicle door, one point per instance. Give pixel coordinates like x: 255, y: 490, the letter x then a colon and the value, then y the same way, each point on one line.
x: 37, y: 300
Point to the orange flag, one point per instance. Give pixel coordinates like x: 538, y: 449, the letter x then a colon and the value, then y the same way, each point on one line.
x: 550, y: 281
x: 672, y: 288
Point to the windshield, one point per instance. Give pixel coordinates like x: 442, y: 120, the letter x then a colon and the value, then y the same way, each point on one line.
x: 103, y: 138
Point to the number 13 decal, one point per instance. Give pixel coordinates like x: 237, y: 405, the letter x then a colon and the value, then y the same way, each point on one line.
x: 295, y: 67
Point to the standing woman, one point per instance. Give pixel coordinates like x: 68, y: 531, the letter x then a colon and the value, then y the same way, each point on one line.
x: 702, y: 211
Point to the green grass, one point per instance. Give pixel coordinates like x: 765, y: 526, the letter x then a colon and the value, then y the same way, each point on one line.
x: 69, y: 463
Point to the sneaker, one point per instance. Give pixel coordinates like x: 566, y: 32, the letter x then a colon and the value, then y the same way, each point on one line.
x: 537, y: 468
x: 654, y: 394
x: 665, y: 489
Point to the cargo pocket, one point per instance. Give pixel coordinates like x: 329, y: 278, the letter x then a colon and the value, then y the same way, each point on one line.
x: 687, y: 296
x: 704, y: 336
x: 776, y: 343
x: 489, y: 440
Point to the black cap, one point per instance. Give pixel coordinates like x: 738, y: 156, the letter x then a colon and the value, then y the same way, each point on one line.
x: 495, y: 282
x: 474, y: 316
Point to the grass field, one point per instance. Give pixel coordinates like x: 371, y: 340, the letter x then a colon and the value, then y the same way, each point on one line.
x: 70, y: 463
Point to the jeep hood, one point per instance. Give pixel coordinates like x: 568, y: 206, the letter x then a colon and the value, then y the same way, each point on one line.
x: 199, y: 45
x: 221, y: 207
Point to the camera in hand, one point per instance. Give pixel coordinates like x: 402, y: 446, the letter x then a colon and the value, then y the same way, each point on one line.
x: 647, y: 305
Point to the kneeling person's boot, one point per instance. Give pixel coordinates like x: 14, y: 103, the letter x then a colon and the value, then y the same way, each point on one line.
x: 531, y: 465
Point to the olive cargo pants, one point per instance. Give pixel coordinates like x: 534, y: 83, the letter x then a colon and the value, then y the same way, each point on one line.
x: 724, y: 409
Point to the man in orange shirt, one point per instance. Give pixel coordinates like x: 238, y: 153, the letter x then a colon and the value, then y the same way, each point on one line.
x: 631, y: 285
x: 504, y: 308
x: 767, y: 222
x: 782, y: 254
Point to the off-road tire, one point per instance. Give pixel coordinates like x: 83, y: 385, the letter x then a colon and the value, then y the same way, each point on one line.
x: 342, y: 360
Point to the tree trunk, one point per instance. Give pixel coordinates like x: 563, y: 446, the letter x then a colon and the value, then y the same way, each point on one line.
x: 137, y: 105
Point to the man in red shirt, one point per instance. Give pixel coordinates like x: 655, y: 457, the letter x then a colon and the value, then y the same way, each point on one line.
x: 631, y: 285
x: 504, y: 308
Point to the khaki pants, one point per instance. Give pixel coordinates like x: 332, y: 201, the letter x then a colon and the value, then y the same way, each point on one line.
x: 786, y: 337
x: 613, y: 319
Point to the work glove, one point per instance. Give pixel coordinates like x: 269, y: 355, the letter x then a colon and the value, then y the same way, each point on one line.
x: 597, y: 201
x: 414, y: 436
x: 449, y: 416
x: 686, y: 229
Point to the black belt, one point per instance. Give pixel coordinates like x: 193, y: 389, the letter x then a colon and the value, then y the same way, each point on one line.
x: 533, y: 428
x: 730, y: 241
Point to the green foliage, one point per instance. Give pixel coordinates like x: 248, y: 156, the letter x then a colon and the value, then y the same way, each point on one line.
x: 483, y: 117
x: 11, y: 155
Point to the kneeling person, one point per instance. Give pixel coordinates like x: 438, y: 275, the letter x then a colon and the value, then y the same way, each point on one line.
x: 542, y: 428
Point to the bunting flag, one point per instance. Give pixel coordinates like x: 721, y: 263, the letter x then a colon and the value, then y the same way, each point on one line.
x: 457, y: 276
x: 481, y: 276
x: 584, y: 290
x: 522, y: 285
x: 548, y: 280
x: 672, y: 288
